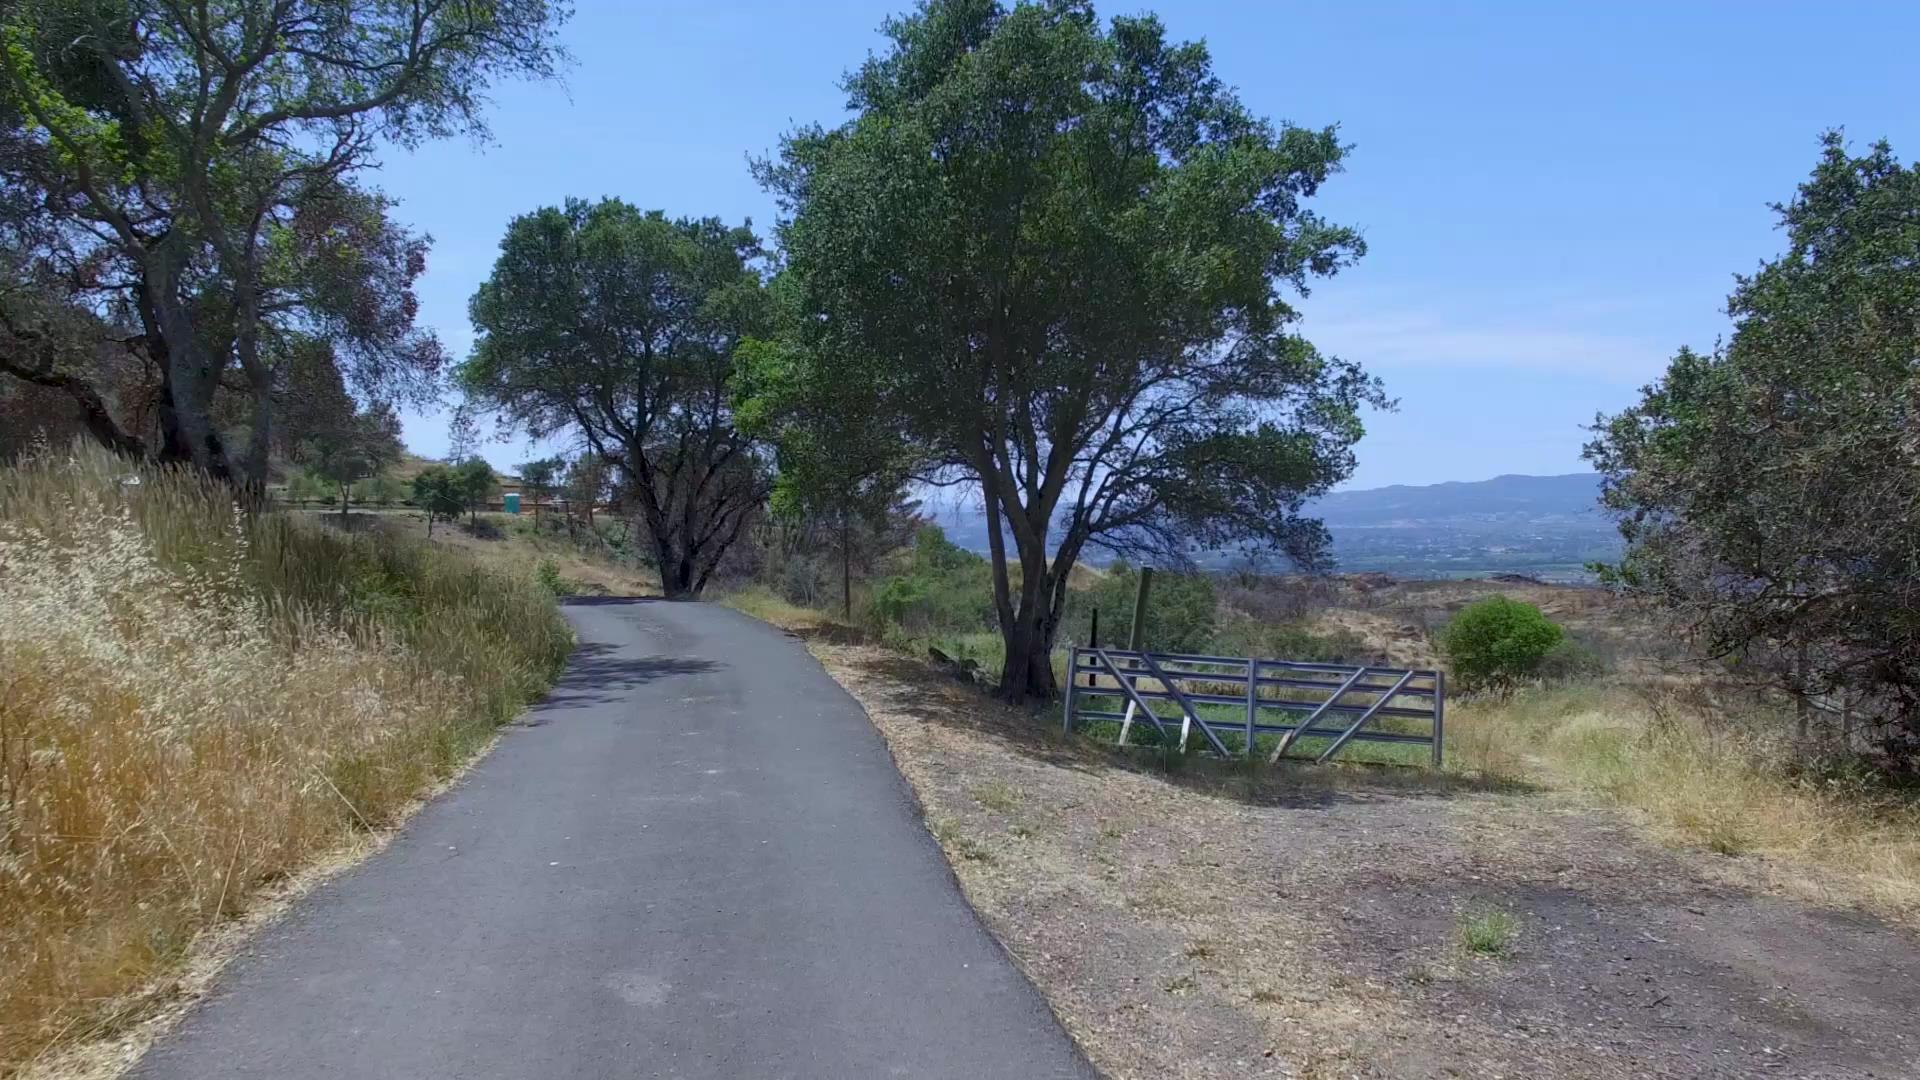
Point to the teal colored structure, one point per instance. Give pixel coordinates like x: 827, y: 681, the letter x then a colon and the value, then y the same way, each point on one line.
x: 513, y: 502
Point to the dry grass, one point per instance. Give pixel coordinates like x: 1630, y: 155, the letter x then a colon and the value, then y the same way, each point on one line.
x: 1703, y: 780
x: 516, y: 546
x: 194, y: 705
x: 1207, y: 922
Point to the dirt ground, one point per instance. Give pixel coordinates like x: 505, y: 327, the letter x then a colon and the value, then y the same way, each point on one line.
x: 1203, y: 923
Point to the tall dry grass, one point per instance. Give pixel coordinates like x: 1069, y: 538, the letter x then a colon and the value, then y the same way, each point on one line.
x: 194, y: 702
x: 1724, y: 776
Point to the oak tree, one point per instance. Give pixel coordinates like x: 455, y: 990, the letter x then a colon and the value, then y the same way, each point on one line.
x: 200, y: 164
x: 620, y: 326
x: 1057, y: 251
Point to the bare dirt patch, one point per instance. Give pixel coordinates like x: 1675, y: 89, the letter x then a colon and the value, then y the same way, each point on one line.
x: 1309, y: 922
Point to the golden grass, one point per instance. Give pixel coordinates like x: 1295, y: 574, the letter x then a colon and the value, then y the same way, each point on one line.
x: 194, y: 704
x: 518, y: 550
x: 1704, y: 781
x: 768, y: 606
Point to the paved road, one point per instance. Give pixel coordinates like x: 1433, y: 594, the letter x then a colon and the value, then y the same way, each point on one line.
x: 695, y: 859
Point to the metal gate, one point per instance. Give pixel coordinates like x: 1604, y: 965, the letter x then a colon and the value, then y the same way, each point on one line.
x: 1241, y: 705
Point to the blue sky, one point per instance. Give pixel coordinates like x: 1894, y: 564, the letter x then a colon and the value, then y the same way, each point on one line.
x: 1555, y: 196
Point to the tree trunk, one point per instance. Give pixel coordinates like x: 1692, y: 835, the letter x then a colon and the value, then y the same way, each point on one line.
x: 191, y: 373
x: 846, y: 569
x: 1027, y: 672
x: 676, y: 569
x: 343, y: 506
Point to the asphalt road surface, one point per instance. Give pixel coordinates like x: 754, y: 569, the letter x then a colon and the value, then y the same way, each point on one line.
x: 695, y: 859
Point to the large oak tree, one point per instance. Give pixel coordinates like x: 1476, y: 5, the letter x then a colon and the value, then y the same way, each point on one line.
x: 1056, y: 250
x: 620, y: 326
x: 194, y: 167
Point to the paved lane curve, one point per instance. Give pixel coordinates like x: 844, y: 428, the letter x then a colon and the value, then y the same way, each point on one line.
x: 695, y: 859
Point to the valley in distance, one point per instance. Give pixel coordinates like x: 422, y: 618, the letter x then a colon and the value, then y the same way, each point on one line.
x: 1545, y: 527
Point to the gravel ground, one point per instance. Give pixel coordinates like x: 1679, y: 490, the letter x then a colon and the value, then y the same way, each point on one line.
x: 1308, y: 923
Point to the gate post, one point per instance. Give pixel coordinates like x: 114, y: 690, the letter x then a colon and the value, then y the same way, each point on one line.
x: 1066, y: 711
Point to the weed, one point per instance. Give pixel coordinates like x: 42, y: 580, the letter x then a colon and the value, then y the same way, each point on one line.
x: 997, y: 795
x: 1488, y: 933
x: 548, y: 574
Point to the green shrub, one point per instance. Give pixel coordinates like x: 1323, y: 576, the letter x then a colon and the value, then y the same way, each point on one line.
x: 1571, y: 660
x: 942, y: 589
x: 548, y: 573
x: 1239, y: 634
x: 1496, y: 642
x: 1181, y: 610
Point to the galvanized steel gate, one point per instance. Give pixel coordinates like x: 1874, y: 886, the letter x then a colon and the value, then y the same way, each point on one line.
x: 1301, y: 703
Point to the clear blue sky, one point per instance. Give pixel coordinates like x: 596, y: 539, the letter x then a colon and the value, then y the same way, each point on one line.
x: 1555, y: 199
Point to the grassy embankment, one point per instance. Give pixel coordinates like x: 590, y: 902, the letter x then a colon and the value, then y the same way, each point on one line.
x: 1700, y: 770
x: 194, y: 705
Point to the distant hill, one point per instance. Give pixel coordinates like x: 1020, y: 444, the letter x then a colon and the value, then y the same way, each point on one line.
x: 1546, y: 526
x: 1514, y: 497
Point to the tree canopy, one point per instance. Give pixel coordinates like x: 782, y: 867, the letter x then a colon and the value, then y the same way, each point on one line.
x: 1769, y: 491
x: 621, y: 326
x: 1053, y: 252
x: 194, y: 172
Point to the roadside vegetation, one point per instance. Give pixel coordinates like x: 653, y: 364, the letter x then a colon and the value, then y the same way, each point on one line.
x: 195, y: 703
x: 1576, y: 690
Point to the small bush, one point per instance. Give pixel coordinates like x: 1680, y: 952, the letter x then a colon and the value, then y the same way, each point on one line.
x: 1243, y: 635
x: 1571, y: 660
x: 1488, y: 933
x: 548, y: 573
x: 943, y: 588
x: 1494, y: 643
x: 1181, y: 610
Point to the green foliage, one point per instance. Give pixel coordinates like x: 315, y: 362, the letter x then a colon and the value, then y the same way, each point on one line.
x: 1051, y: 254
x: 352, y: 444
x: 541, y: 475
x: 205, y: 162
x: 548, y: 574
x: 1571, y: 660
x: 305, y: 486
x: 439, y: 493
x: 1239, y: 634
x: 476, y: 482
x: 1768, y: 491
x: 1493, y: 643
x: 381, y: 488
x: 620, y: 326
x: 1488, y: 933
x: 1182, y: 612
x: 943, y: 588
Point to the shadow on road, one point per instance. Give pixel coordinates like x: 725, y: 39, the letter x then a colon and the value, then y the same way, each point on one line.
x: 597, y: 673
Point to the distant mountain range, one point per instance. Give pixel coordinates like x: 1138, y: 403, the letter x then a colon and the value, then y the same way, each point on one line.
x: 1546, y: 526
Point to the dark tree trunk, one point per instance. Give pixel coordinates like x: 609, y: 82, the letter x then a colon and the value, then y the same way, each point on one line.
x: 846, y: 568
x: 1027, y: 672
x: 191, y: 372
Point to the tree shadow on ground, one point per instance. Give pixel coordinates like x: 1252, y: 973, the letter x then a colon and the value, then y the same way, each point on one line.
x: 597, y: 673
x: 915, y: 689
